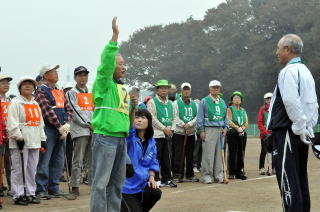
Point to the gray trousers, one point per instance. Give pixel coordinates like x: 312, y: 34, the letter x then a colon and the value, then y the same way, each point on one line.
x: 30, y: 159
x: 81, y: 152
x: 211, y: 163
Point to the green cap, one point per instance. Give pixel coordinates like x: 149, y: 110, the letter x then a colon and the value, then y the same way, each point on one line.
x: 238, y: 93
x: 163, y: 83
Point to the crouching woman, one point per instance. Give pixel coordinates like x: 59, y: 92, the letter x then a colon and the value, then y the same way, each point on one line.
x: 25, y: 128
x: 141, y: 192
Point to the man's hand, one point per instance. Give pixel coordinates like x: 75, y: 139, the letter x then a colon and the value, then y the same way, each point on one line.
x: 168, y: 132
x: 186, y: 126
x: 115, y: 30
x: 305, y: 137
x: 240, y: 130
x: 203, y: 136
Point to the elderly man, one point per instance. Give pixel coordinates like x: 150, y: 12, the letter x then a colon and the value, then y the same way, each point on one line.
x: 212, y: 121
x: 111, y: 124
x: 81, y: 129
x: 293, y: 114
x: 161, y: 109
x: 185, y: 112
x: 57, y: 114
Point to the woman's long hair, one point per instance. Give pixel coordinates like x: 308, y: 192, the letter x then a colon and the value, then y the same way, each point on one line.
x: 149, y: 131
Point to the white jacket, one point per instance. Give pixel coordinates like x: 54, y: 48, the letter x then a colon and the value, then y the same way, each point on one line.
x: 302, y: 108
x: 16, y: 125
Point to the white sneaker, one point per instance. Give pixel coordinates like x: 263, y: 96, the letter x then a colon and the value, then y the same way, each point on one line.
x: 159, y: 183
x: 195, y: 170
x: 262, y: 171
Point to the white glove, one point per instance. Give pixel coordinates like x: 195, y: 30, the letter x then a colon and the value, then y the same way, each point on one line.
x: 64, y: 129
x: 305, y: 137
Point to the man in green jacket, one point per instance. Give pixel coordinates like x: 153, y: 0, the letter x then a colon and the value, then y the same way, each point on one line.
x: 111, y: 124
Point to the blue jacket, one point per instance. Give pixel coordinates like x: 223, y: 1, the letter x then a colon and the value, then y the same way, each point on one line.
x: 142, y: 164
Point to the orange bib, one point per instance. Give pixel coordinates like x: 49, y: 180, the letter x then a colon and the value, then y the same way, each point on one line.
x: 4, y: 109
x: 85, y: 101
x: 59, y: 98
x: 32, y: 115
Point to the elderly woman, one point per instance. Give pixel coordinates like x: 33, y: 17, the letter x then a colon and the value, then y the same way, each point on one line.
x: 237, y: 137
x: 140, y: 192
x: 26, y: 137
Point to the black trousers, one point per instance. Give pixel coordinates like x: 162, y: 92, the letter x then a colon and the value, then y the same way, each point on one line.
x: 164, y: 157
x: 236, y: 153
x: 140, y: 202
x: 263, y: 154
x: 197, y: 152
x: 290, y: 157
x: 183, y: 156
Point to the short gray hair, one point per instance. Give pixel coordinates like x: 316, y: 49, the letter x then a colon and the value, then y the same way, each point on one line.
x: 293, y: 41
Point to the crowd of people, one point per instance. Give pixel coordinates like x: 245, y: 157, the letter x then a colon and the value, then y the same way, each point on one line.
x: 129, y: 149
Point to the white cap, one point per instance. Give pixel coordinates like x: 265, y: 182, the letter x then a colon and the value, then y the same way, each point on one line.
x: 26, y: 78
x: 185, y: 84
x: 47, y: 68
x: 5, y: 77
x: 214, y: 83
x: 67, y: 85
x: 268, y: 95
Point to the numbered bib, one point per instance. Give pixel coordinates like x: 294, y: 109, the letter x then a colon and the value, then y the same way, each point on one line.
x: 124, y: 98
x: 85, y: 101
x: 4, y: 109
x: 59, y: 98
x: 32, y: 112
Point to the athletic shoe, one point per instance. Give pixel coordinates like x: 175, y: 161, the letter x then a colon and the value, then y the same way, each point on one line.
x: 241, y: 176
x: 262, y: 171
x: 1, y: 193
x: 57, y: 194
x: 232, y: 176
x: 169, y: 183
x: 192, y: 180
x: 85, y: 180
x: 75, y: 191
x: 196, y: 170
x: 218, y: 181
x: 20, y: 201
x: 159, y: 183
x: 33, y: 200
x: 43, y: 196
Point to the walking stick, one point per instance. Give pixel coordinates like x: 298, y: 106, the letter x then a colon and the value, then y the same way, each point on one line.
x: 225, y: 179
x: 183, y: 153
x: 23, y: 174
x: 68, y: 196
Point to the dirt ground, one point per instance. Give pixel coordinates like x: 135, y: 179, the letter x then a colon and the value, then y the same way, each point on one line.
x: 257, y: 194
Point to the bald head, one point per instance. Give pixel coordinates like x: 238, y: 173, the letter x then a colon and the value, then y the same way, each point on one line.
x: 293, y: 42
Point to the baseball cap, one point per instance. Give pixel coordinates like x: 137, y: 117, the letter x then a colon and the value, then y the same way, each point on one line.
x: 80, y: 69
x: 268, y: 95
x: 185, y: 84
x: 47, y: 68
x: 2, y: 77
x: 214, y: 83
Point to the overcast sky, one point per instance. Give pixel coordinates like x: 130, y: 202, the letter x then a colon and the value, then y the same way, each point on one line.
x: 70, y: 33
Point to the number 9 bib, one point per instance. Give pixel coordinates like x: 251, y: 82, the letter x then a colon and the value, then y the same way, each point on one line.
x: 32, y: 112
